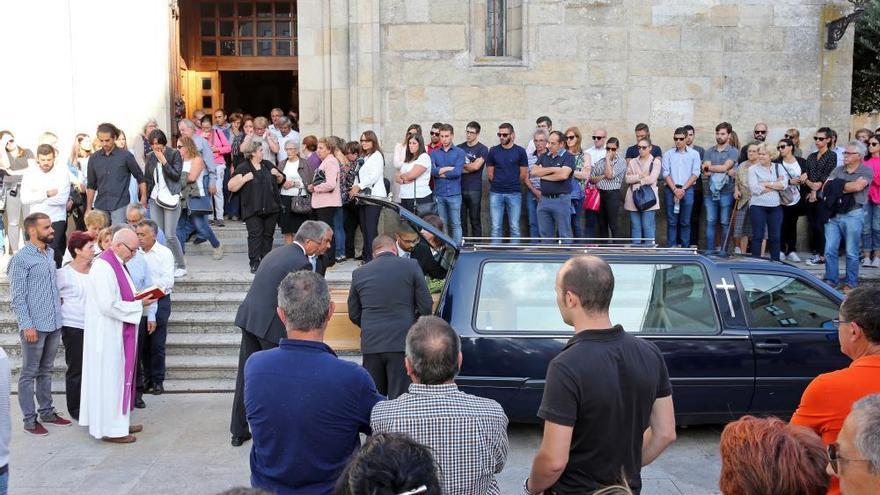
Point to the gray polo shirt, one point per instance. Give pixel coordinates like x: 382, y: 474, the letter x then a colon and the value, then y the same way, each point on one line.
x: 716, y: 157
x: 840, y: 173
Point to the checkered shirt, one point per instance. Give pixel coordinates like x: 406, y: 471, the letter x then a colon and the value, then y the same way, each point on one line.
x: 467, y: 434
x: 35, y: 298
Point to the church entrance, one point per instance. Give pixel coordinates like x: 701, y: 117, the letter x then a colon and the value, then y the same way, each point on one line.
x: 237, y: 55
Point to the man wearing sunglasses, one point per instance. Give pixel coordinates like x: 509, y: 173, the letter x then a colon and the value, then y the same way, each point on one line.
x: 829, y: 397
x: 854, y: 459
x: 597, y: 151
x: 819, y: 166
x: 434, y: 144
x: 507, y: 168
x: 759, y: 134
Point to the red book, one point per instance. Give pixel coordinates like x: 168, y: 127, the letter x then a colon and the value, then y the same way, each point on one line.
x: 153, y: 291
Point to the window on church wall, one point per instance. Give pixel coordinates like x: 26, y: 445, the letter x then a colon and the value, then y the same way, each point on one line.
x: 497, y: 31
x: 247, y: 28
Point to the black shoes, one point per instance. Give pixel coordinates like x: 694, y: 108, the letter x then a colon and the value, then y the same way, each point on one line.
x: 139, y: 402
x: 199, y: 240
x: 158, y: 389
x: 238, y: 441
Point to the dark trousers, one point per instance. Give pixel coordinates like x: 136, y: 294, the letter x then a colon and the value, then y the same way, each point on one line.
x: 73, y: 354
x: 815, y: 228
x: 351, y: 220
x: 250, y: 344
x: 151, y: 347
x: 369, y: 218
x: 260, y: 234
x: 388, y: 372
x: 770, y: 218
x: 695, y: 216
x: 790, y: 215
x: 326, y: 215
x: 470, y: 213
x: 610, y: 204
x: 59, y: 243
x: 591, y: 224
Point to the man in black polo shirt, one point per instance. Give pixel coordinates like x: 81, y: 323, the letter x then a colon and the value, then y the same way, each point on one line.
x: 109, y: 174
x: 554, y: 208
x: 607, y: 406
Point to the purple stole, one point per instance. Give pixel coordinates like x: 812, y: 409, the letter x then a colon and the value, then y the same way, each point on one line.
x: 129, y: 331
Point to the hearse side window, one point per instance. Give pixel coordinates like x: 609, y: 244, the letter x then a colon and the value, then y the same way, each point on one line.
x: 648, y: 298
x: 779, y: 301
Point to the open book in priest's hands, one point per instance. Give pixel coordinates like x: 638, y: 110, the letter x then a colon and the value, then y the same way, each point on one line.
x: 153, y: 291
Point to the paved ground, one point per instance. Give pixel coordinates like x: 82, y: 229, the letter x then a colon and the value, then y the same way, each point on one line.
x: 185, y: 449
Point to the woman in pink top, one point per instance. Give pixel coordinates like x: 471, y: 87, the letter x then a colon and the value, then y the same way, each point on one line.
x: 871, y: 226
x: 217, y: 139
x: 326, y: 197
x: 642, y: 171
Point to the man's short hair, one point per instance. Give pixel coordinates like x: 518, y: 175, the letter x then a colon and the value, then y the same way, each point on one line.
x: 390, y: 463
x: 825, y: 130
x: 158, y: 136
x: 559, y: 134
x: 432, y: 347
x: 542, y: 132
x: 473, y: 125
x: 404, y: 228
x: 614, y: 140
x: 136, y: 207
x: 591, y: 280
x: 383, y: 242
x: 641, y: 126
x: 859, y: 146
x: 680, y: 130
x: 437, y: 125
x: 304, y: 298
x: 108, y: 128
x: 688, y: 128
x: 724, y: 125
x: 32, y: 219
x: 283, y: 121
x: 45, y: 150
x: 542, y: 119
x: 447, y: 127
x: 151, y: 224
x: 868, y: 432
x: 506, y: 125
x: 188, y: 123
x: 311, y: 230
x: 861, y: 307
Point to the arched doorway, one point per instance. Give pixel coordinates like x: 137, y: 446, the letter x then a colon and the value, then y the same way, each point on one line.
x: 238, y: 55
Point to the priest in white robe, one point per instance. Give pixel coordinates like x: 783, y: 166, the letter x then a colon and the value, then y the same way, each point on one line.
x: 110, y: 343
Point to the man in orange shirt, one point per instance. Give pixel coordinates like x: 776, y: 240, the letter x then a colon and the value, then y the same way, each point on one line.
x: 828, y: 399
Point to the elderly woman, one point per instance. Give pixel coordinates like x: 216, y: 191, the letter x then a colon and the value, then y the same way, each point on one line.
x: 296, y: 205
x: 765, y: 208
x: 742, y: 230
x: 72, y: 280
x: 326, y: 197
x: 163, y: 170
x: 770, y: 457
x: 257, y: 180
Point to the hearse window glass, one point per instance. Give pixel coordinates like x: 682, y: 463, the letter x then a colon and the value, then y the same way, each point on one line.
x: 648, y: 298
x: 778, y: 301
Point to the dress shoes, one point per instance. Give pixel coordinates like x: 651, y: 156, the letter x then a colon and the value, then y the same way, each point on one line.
x: 135, y: 428
x: 125, y: 439
x: 139, y: 403
x: 158, y: 389
x: 238, y: 441
x: 148, y: 387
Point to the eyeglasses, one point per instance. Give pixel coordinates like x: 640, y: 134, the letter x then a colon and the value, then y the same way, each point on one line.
x: 503, y: 134
x: 132, y: 251
x: 435, y: 133
x: 873, y: 143
x: 470, y: 132
x: 837, y: 323
x: 851, y: 153
x: 819, y: 138
x: 408, y: 241
x: 571, y: 138
x: 834, y: 458
x: 610, y: 149
x: 598, y: 138
x: 644, y: 147
x: 679, y: 138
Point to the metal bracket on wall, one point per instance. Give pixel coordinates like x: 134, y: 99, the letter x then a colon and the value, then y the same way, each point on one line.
x: 837, y: 28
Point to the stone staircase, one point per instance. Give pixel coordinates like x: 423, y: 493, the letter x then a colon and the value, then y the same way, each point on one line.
x: 203, y: 343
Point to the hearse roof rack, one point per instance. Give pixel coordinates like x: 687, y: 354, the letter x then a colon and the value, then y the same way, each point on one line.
x: 579, y: 244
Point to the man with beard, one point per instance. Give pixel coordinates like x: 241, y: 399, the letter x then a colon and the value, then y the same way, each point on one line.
x: 759, y: 133
x: 718, y: 184
x: 507, y: 167
x: 37, y: 308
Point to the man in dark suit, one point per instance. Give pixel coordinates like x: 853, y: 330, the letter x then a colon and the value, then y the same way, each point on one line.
x: 260, y: 327
x: 409, y: 245
x: 387, y: 295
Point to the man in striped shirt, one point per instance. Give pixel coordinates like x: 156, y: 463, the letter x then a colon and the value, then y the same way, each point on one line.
x: 37, y: 308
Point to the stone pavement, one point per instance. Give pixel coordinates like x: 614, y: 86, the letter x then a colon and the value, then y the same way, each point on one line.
x: 184, y: 449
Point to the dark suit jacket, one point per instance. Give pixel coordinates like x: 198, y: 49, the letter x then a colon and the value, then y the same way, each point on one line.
x: 257, y: 313
x: 387, y: 295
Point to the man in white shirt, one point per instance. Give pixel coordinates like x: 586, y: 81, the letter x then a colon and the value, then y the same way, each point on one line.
x: 152, y: 334
x: 597, y: 152
x: 275, y: 115
x: 46, y: 189
x: 286, y: 134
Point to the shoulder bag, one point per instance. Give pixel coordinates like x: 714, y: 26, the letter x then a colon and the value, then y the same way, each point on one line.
x: 164, y: 197
x: 200, y: 203
x: 786, y: 196
x: 644, y: 197
x: 302, y: 204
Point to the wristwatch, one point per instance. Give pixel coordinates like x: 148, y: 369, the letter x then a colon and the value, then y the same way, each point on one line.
x: 526, y: 488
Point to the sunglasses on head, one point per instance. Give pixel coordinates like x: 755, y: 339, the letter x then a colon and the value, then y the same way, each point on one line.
x: 788, y: 136
x: 607, y: 148
x: 503, y: 134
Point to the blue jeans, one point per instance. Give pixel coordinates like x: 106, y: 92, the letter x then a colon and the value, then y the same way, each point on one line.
x: 4, y: 483
x: 770, y: 218
x: 846, y: 226
x: 643, y: 225
x: 532, y: 208
x: 449, y: 209
x: 681, y: 221
x: 498, y: 204
x: 198, y: 223
x: 871, y: 228
x: 554, y: 215
x: 717, y: 210
x: 577, y: 218
x: 339, y: 233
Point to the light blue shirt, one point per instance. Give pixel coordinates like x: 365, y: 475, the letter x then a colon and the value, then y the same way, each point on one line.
x: 140, y: 275
x: 681, y: 165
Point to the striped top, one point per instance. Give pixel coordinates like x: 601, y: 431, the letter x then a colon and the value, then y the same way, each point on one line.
x: 619, y: 168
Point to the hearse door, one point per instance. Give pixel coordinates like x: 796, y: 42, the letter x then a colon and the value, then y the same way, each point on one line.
x: 791, y: 323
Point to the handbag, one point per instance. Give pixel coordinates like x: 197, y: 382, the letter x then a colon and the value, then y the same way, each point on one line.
x: 786, y: 196
x: 197, y: 203
x: 644, y: 197
x: 164, y: 197
x: 301, y: 204
x: 591, y: 197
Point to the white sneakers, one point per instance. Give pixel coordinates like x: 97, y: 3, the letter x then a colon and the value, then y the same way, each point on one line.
x: 866, y: 262
x: 218, y: 253
x: 179, y: 272
x: 737, y: 250
x: 793, y: 257
x: 876, y: 262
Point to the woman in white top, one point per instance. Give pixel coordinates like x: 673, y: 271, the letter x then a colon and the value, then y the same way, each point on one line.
x: 765, y: 210
x: 370, y: 181
x: 400, y: 155
x: 72, y: 280
x: 297, y: 177
x: 414, y: 176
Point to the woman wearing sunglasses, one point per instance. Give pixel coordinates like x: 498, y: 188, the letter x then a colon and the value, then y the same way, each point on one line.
x: 819, y: 166
x: 793, y: 167
x: 581, y: 174
x: 642, y: 171
x: 795, y: 136
x: 871, y: 228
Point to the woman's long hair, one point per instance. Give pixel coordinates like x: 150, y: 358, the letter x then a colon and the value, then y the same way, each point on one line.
x: 409, y: 155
